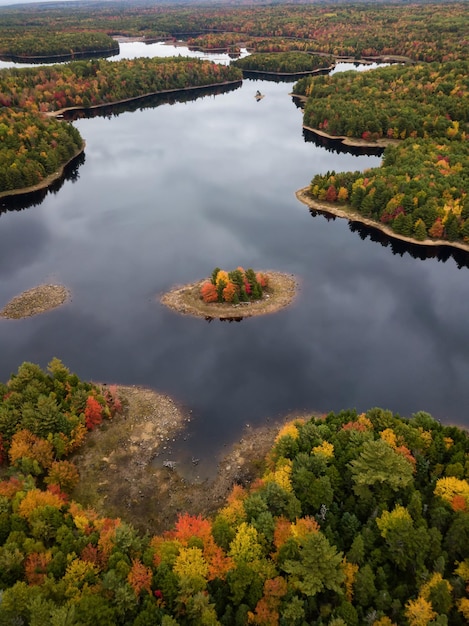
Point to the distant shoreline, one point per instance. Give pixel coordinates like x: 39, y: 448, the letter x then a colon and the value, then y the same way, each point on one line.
x: 163, y: 92
x: 348, y: 213
x: 47, y: 182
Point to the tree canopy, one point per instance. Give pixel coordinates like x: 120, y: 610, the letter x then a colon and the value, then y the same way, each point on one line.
x: 354, y: 518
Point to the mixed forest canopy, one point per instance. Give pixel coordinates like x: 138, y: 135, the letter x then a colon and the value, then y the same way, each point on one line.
x: 355, y: 518
x: 33, y: 146
x: 421, y: 188
x: 420, y: 31
x: 284, y: 62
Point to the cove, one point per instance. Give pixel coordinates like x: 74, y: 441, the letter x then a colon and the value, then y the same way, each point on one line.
x: 165, y: 193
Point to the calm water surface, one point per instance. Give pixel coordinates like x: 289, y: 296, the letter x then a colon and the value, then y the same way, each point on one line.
x: 167, y: 193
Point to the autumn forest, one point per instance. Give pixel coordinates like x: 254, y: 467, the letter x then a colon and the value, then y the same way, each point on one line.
x: 353, y: 517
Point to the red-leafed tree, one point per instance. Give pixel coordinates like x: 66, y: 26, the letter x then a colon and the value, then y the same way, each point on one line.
x: 93, y: 413
x: 331, y: 194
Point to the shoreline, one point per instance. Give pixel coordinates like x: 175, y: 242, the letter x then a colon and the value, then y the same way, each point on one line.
x: 319, y: 71
x: 46, y: 182
x: 354, y: 142
x: 353, y: 216
x: 186, y: 300
x: 163, y: 92
x: 128, y: 470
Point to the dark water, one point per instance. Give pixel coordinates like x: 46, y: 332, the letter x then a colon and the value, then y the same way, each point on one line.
x: 167, y: 193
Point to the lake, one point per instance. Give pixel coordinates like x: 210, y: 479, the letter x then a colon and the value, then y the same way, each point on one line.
x: 167, y: 193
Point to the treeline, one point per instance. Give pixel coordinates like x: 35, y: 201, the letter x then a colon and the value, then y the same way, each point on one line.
x: 88, y: 83
x: 24, y: 47
x: 393, y: 102
x: 229, y: 42
x: 420, y: 191
x: 32, y: 147
x: 423, y: 32
x: 356, y: 519
x: 284, y: 62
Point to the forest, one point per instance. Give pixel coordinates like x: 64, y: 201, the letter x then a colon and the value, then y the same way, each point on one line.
x: 420, y: 190
x: 284, y: 62
x: 355, y: 518
x: 28, y: 48
x: 34, y: 146
x: 423, y: 32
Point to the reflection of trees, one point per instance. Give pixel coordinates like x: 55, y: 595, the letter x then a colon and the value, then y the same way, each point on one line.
x: 150, y: 102
x: 34, y: 198
x: 209, y: 319
x: 60, y: 58
x: 270, y: 77
x: 336, y: 145
x: 399, y: 247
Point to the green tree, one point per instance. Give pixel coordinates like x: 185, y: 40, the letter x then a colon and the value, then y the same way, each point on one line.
x: 317, y: 567
x: 378, y: 464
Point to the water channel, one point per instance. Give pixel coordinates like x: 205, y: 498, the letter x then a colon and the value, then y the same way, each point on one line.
x: 166, y: 193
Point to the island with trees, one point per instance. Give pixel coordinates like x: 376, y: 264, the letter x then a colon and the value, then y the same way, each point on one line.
x: 235, y: 294
x: 284, y: 64
x: 351, y: 519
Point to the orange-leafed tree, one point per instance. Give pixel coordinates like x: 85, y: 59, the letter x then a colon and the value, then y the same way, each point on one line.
x: 93, y: 413
x: 139, y: 577
x: 209, y: 293
x: 266, y: 612
x: 64, y: 474
x: 229, y: 292
x: 282, y: 531
x: 35, y: 567
x: 189, y: 526
x: 9, y: 488
x: 219, y: 564
x: 26, y: 445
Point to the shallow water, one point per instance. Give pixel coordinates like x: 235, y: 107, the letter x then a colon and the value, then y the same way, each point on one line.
x: 167, y: 193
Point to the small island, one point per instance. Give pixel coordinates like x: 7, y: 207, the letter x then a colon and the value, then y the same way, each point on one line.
x: 36, y: 300
x: 236, y: 294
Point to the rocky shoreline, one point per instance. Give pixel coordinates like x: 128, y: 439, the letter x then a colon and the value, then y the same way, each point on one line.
x: 123, y: 472
x: 347, y: 212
